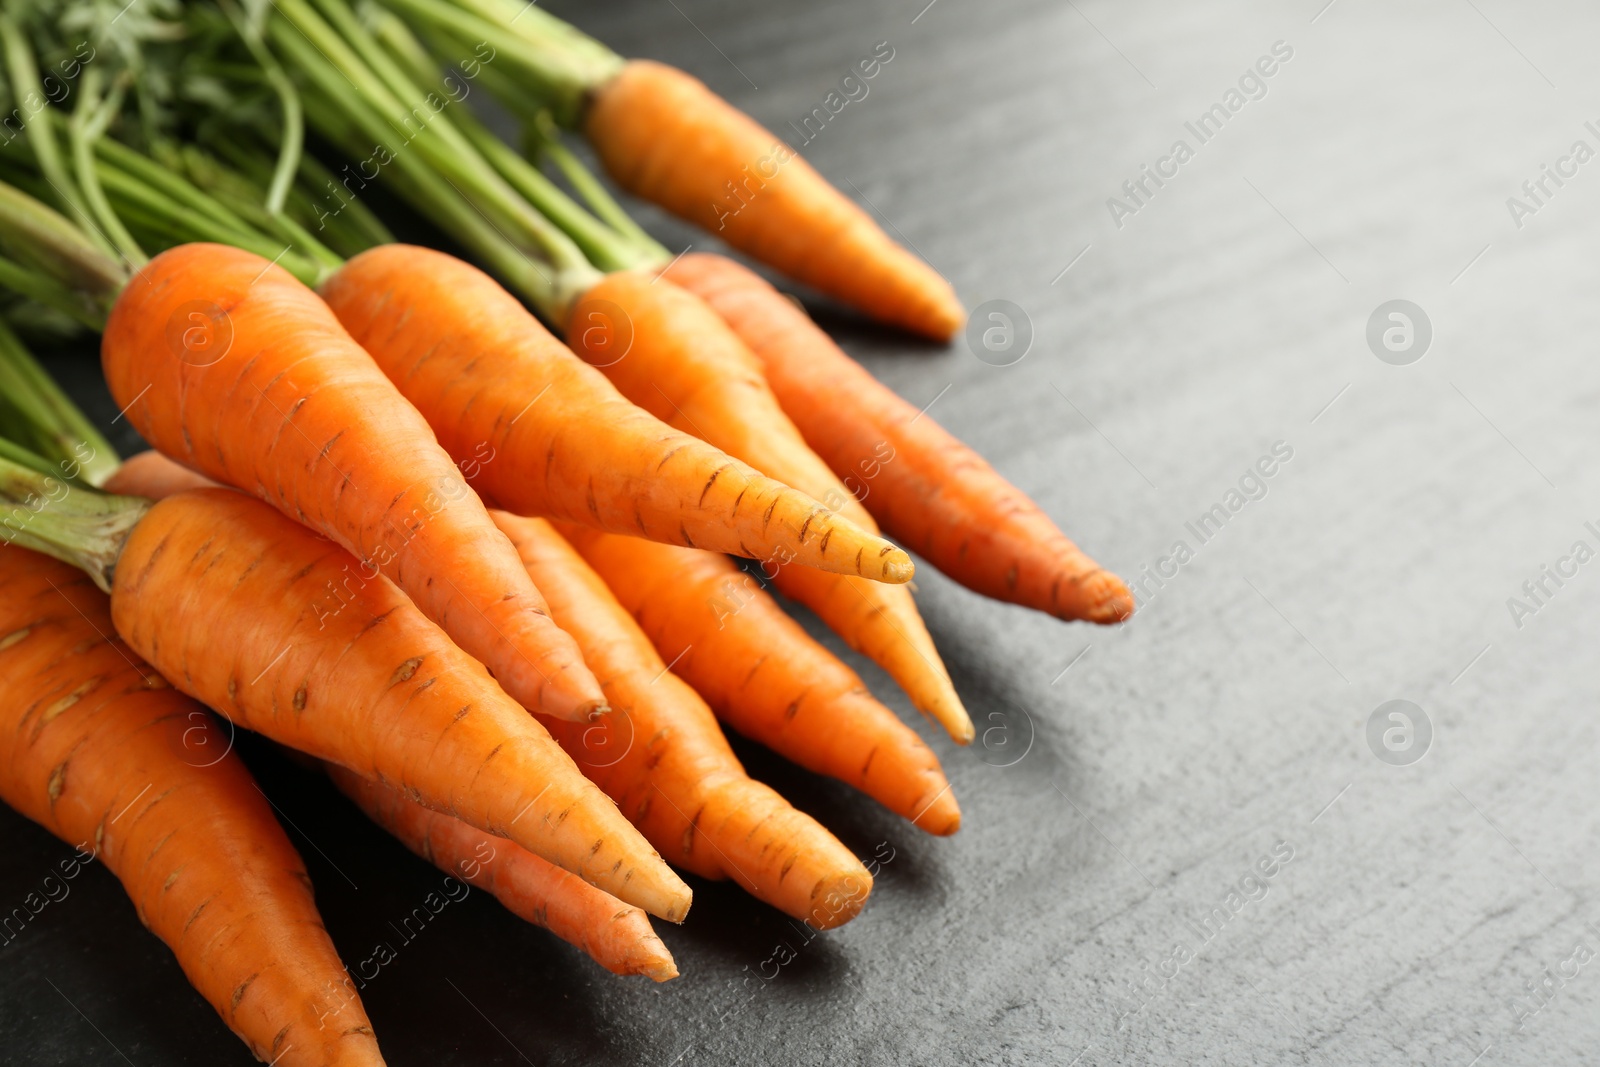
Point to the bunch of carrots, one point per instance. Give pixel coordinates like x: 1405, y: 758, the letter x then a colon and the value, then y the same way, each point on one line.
x: 456, y: 530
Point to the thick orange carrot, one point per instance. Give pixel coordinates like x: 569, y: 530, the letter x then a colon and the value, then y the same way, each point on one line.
x: 99, y: 750
x: 927, y: 488
x: 231, y: 366
x: 689, y: 369
x: 617, y: 936
x: 664, y: 760
x: 667, y: 138
x: 542, y: 434
x: 284, y: 633
x: 764, y: 676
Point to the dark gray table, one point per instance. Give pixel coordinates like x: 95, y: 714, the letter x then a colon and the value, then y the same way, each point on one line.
x: 1434, y: 910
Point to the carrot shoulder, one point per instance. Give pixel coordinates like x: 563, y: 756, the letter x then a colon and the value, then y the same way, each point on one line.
x: 540, y: 433
x: 664, y: 760
x: 689, y: 369
x: 231, y: 366
x: 99, y: 750
x: 667, y: 138
x: 927, y: 488
x: 286, y: 634
x: 766, y: 677
x: 617, y: 936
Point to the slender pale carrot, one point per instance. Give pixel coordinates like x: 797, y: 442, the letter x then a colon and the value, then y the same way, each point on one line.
x: 542, y: 434
x: 689, y: 369
x: 229, y: 365
x: 99, y: 750
x: 287, y: 634
x: 667, y: 138
x: 927, y: 488
x: 664, y: 760
x: 766, y: 677
x: 617, y: 936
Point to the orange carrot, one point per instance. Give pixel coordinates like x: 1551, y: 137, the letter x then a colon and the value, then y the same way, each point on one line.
x: 286, y: 634
x: 229, y: 365
x: 616, y: 935
x: 99, y: 750
x: 667, y: 138
x: 664, y: 760
x: 542, y: 434
x: 154, y: 475
x: 927, y: 488
x: 690, y: 370
x: 764, y: 676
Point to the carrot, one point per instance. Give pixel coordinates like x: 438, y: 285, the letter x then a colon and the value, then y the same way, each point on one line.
x: 99, y: 750
x: 153, y: 475
x: 616, y: 935
x: 764, y: 676
x: 542, y: 434
x: 664, y: 760
x: 667, y: 138
x: 689, y: 369
x: 927, y: 488
x: 231, y: 366
x: 286, y: 634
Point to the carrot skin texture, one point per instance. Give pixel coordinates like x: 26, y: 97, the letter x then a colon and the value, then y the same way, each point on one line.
x: 287, y: 407
x: 695, y: 373
x: 541, y: 433
x: 766, y: 677
x: 667, y: 138
x: 933, y: 493
x: 666, y: 323
x: 342, y: 666
x: 665, y: 761
x: 617, y: 936
x: 99, y: 750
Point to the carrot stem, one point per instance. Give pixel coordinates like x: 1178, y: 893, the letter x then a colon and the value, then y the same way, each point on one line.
x: 591, y: 235
x: 293, y: 141
x: 359, y: 58
x: 560, y: 69
x: 40, y: 131
x: 87, y: 125
x: 483, y: 202
x: 85, y: 528
x: 546, y: 138
x: 39, y: 236
x: 43, y: 289
x: 52, y: 424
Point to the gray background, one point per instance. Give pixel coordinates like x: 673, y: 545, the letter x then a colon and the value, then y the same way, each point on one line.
x: 1125, y: 779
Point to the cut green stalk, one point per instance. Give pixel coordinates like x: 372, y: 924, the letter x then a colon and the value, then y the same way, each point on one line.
x: 163, y: 180
x: 560, y: 70
x: 87, y: 126
x: 289, y: 100
x: 39, y: 236
x: 54, y: 427
x: 547, y: 138
x: 45, y: 290
x: 368, y: 67
x: 447, y: 186
x: 550, y: 291
x: 83, y: 527
x: 39, y: 130
x: 136, y: 197
x: 401, y: 49
x: 242, y: 198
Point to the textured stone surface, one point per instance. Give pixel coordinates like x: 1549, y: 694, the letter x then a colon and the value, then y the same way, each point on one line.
x: 1108, y: 808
